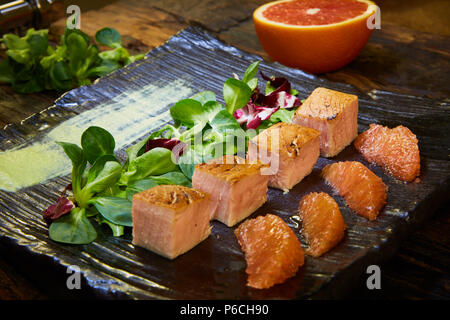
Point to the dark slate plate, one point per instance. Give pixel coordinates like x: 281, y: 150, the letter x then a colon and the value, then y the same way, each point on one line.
x: 215, y: 269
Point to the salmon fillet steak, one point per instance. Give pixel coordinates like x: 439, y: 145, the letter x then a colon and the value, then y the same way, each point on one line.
x: 395, y: 150
x: 322, y: 222
x: 272, y: 250
x: 334, y: 114
x: 170, y: 220
x: 237, y: 187
x: 290, y: 150
x: 363, y: 191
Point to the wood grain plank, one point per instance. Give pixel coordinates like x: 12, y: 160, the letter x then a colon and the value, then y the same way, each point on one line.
x: 134, y: 19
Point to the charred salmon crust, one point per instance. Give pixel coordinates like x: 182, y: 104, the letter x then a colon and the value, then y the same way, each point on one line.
x: 171, y: 196
x: 231, y: 169
x: 290, y: 150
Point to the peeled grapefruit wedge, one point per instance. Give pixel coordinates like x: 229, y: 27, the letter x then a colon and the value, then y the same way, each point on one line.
x: 323, y: 224
x: 314, y: 35
x: 396, y: 150
x: 272, y: 250
x: 364, y: 192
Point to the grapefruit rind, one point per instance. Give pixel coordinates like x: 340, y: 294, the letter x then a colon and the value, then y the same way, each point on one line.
x: 314, y: 48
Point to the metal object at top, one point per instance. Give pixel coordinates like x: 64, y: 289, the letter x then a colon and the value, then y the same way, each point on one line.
x: 21, y: 14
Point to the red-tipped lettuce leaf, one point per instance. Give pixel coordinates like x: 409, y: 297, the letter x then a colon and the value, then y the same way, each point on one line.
x: 279, y: 83
x: 167, y: 144
x: 252, y: 115
x: 61, y: 207
x: 280, y: 97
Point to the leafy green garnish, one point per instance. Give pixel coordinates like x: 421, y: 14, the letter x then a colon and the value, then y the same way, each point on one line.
x: 236, y: 94
x: 32, y: 65
x: 115, y: 210
x: 109, y: 37
x: 74, y: 228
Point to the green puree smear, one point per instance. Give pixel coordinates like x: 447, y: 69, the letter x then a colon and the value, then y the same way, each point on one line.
x: 128, y: 117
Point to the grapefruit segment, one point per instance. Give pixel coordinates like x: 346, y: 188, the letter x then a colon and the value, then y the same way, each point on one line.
x: 395, y: 150
x: 316, y: 36
x: 364, y: 192
x: 323, y: 224
x: 272, y: 250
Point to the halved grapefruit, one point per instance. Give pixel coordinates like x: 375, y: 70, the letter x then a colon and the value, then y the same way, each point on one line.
x: 314, y: 35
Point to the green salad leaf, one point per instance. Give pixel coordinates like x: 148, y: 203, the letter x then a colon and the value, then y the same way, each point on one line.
x: 73, y: 228
x: 33, y: 65
x: 115, y: 210
x: 236, y: 94
x: 109, y: 37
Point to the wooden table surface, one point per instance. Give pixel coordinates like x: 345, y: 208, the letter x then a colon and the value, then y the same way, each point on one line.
x: 410, y: 55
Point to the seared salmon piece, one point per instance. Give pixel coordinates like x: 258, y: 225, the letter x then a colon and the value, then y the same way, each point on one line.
x: 395, y: 150
x: 170, y: 220
x: 364, y: 192
x: 334, y: 114
x: 272, y: 250
x: 322, y: 222
x: 290, y: 150
x: 237, y: 187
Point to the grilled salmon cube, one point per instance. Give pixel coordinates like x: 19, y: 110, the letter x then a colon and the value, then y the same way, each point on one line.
x: 334, y: 114
x: 236, y: 186
x: 170, y: 220
x: 290, y: 149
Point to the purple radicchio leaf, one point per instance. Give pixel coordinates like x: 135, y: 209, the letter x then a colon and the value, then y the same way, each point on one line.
x: 174, y: 145
x: 279, y: 83
x: 61, y: 207
x: 252, y: 115
x: 280, y: 97
x: 261, y: 107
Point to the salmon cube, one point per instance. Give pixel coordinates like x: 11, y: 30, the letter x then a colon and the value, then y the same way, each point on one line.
x: 170, y: 220
x: 290, y: 149
x: 334, y: 114
x: 236, y: 186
